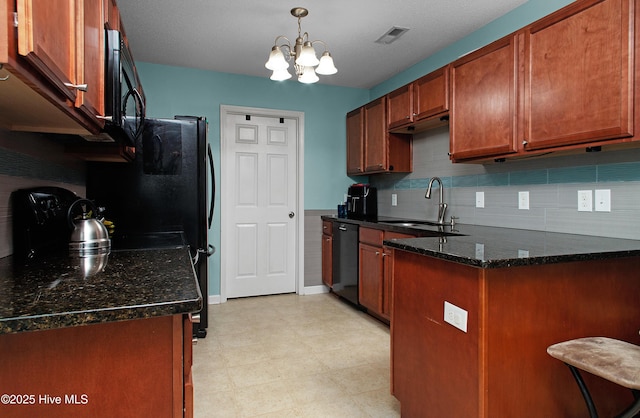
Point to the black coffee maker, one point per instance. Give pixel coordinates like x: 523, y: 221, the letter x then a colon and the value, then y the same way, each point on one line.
x: 362, y: 202
x: 40, y: 222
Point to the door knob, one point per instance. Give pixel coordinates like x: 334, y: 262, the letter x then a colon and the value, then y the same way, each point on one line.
x: 291, y: 215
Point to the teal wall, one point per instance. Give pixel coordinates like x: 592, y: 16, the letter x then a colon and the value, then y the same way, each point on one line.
x: 185, y: 91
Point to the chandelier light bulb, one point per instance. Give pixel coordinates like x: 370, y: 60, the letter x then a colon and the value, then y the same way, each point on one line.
x: 280, y: 75
x: 326, y: 66
x: 307, y: 56
x: 276, y: 60
x: 308, y: 76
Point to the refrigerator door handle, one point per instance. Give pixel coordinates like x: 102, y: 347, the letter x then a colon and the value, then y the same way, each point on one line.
x: 208, y: 252
x: 213, y: 184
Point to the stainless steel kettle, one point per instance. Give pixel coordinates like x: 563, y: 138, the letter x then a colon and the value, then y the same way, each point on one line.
x: 88, y: 233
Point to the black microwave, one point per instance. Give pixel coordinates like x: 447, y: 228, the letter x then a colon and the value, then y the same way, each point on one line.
x: 124, y: 97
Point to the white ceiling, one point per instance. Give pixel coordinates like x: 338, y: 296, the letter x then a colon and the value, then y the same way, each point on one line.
x: 236, y: 36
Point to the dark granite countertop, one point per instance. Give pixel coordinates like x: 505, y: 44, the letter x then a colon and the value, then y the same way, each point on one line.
x: 63, y: 291
x: 494, y: 247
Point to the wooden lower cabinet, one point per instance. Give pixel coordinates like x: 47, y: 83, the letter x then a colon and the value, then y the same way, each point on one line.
x: 376, y: 271
x: 500, y: 367
x: 327, y: 253
x: 137, y: 368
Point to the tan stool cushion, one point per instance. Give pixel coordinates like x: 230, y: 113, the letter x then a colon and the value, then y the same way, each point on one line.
x: 614, y: 360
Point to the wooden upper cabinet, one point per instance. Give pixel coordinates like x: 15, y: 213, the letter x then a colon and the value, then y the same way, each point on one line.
x: 56, y: 53
x: 483, y: 102
x: 400, y: 103
x: 91, y: 60
x: 371, y: 148
x: 355, y: 142
x: 431, y: 94
x: 578, y: 82
x: 47, y: 39
x: 421, y: 104
x: 375, y: 128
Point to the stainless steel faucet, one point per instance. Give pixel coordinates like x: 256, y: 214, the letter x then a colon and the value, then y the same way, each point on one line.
x: 442, y: 207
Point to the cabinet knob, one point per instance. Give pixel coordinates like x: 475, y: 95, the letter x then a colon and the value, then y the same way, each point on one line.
x: 194, y: 341
x: 407, y: 117
x: 195, y: 318
x: 524, y: 143
x: 415, y: 114
x: 81, y: 87
x: 377, y: 252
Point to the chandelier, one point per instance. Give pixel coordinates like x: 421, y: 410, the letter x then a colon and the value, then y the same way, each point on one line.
x: 305, y: 62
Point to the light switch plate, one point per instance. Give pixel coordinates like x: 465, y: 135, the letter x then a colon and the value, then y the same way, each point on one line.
x: 523, y: 200
x: 603, y: 200
x: 394, y: 199
x: 479, y: 199
x: 455, y: 316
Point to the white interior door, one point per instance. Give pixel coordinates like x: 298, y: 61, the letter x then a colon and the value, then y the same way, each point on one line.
x: 260, y: 219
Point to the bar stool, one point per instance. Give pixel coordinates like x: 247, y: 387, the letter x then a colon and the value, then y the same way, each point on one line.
x: 613, y: 360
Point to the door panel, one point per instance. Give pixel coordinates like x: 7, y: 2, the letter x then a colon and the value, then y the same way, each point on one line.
x: 262, y: 152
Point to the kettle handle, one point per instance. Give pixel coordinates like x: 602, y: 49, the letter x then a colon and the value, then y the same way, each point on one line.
x: 87, y: 202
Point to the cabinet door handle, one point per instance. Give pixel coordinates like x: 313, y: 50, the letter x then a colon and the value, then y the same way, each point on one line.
x: 81, y: 87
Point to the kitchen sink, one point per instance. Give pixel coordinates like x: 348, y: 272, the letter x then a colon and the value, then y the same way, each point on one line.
x: 412, y: 223
x: 427, y: 228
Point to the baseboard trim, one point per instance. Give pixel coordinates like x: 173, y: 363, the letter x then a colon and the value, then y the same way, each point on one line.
x: 307, y: 290
x: 315, y: 290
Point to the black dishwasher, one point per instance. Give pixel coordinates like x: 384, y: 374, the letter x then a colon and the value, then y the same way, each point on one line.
x: 345, y: 261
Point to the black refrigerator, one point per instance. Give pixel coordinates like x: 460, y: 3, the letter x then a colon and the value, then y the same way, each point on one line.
x: 164, y: 197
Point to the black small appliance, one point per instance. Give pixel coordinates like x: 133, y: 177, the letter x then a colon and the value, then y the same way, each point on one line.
x: 40, y: 224
x: 362, y: 202
x: 124, y: 97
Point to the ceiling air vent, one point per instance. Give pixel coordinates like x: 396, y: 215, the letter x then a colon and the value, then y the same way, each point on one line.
x: 392, y: 35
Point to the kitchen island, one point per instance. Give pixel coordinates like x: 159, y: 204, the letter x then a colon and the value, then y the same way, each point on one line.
x: 521, y: 291
x: 101, y: 336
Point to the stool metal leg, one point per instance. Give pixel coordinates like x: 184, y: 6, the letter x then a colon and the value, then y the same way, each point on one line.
x: 585, y: 392
x: 631, y: 411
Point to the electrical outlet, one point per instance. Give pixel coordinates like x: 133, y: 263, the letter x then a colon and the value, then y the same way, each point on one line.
x: 480, y: 251
x: 523, y: 200
x: 603, y: 200
x: 585, y: 201
x: 455, y: 316
x: 394, y: 199
x: 479, y: 199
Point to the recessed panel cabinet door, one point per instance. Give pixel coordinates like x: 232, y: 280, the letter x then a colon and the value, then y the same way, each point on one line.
x: 483, y: 102
x: 355, y: 142
x: 47, y: 39
x: 90, y: 62
x: 375, y: 133
x: 578, y: 81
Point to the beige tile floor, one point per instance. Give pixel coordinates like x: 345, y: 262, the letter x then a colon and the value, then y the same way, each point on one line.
x: 292, y: 356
